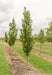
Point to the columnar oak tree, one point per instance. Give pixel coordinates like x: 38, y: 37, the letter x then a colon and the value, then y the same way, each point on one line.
x: 12, y: 33
x: 41, y: 38
x: 26, y: 33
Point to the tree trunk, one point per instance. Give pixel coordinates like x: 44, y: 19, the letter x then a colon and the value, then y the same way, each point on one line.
x: 43, y: 45
x: 40, y: 49
x: 27, y: 66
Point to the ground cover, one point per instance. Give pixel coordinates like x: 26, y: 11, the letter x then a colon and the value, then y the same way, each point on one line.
x: 4, y: 67
x: 35, y: 60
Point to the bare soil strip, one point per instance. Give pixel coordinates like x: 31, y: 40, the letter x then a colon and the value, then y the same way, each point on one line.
x: 45, y: 56
x: 17, y: 64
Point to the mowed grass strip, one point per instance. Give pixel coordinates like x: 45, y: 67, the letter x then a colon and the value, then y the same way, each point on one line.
x: 4, y: 67
x: 37, y: 61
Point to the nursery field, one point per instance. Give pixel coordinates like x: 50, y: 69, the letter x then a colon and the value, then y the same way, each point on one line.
x: 45, y: 48
x: 16, y: 61
x: 25, y: 37
x: 35, y: 60
x: 45, y: 54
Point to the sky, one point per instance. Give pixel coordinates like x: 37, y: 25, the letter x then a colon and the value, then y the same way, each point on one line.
x: 40, y: 12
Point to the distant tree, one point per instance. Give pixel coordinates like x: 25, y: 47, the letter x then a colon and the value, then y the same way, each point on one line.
x: 47, y: 36
x: 49, y: 33
x: 12, y: 33
x: 41, y: 38
x: 26, y: 33
x: 6, y: 37
x: 36, y: 37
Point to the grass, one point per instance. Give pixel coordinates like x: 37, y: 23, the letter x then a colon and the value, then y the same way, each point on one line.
x: 4, y: 67
x: 37, y: 61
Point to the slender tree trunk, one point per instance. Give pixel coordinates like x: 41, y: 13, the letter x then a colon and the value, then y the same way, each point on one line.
x: 40, y: 49
x: 43, y: 45
x: 27, y: 66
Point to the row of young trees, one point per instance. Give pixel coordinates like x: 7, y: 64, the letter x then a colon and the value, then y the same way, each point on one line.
x: 26, y: 34
x: 41, y: 37
x: 45, y: 37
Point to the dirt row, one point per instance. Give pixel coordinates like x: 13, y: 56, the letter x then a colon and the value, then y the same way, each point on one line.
x: 45, y: 56
x: 17, y: 64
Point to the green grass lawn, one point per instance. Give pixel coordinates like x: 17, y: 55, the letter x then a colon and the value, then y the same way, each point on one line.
x: 37, y: 61
x: 4, y: 67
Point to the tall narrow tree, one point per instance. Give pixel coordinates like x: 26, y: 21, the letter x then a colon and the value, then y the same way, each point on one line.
x: 41, y: 38
x: 26, y: 33
x: 12, y: 33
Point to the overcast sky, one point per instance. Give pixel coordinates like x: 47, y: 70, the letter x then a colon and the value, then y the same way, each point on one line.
x: 41, y: 13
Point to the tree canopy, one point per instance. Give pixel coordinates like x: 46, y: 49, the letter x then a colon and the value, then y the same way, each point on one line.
x: 12, y: 33
x: 26, y: 32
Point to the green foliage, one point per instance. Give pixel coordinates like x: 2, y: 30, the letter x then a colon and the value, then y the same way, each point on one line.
x: 47, y: 37
x: 6, y: 37
x: 49, y: 32
x: 41, y: 36
x: 12, y: 33
x: 36, y: 38
x: 26, y: 36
